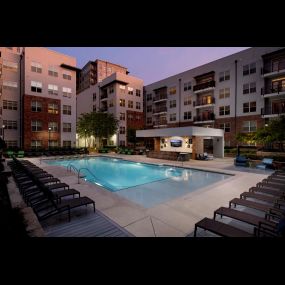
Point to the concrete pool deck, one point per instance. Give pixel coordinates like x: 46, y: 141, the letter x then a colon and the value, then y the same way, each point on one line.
x: 175, y: 218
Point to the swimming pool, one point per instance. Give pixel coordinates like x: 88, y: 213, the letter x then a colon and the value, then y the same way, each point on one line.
x: 142, y: 183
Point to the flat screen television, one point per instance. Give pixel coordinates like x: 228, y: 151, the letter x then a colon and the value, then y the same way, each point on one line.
x: 176, y: 143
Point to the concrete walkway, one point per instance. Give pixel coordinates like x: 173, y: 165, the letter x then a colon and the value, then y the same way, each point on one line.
x: 173, y: 218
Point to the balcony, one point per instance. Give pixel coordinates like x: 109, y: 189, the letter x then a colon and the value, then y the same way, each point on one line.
x: 104, y: 96
x: 159, y: 98
x: 104, y: 109
x: 204, y: 86
x: 273, y: 69
x: 274, y: 111
x: 204, y: 118
x: 204, y: 102
x: 160, y: 124
x: 272, y: 92
x: 160, y: 110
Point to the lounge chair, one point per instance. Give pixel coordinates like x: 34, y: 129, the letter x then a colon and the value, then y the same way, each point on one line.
x: 240, y: 161
x: 265, y: 163
x: 20, y: 153
x: 261, y: 197
x: 269, y: 191
x: 220, y: 228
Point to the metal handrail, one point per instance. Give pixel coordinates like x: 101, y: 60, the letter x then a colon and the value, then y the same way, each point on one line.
x: 88, y: 171
x: 71, y: 166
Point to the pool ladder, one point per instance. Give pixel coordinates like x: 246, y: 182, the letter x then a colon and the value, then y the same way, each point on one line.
x: 71, y: 166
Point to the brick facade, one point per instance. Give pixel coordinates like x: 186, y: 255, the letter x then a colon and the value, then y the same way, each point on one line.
x: 43, y: 116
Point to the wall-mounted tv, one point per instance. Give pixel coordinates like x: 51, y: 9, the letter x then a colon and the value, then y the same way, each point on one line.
x: 176, y: 143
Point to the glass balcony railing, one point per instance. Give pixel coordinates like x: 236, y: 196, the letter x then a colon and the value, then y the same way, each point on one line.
x: 205, y: 85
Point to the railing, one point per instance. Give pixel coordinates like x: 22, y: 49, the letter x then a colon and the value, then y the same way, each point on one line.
x: 268, y: 68
x: 205, y: 85
x: 103, y: 96
x: 277, y: 89
x: 69, y: 166
x: 160, y: 97
x: 201, y: 118
x: 277, y: 110
x: 203, y: 102
x: 159, y: 110
x: 160, y: 123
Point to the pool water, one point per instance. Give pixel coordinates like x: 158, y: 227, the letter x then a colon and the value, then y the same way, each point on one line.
x: 145, y: 184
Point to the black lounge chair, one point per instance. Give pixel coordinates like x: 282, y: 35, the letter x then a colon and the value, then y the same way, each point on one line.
x: 269, y: 191
x: 261, y: 197
x: 242, y: 216
x: 220, y: 228
x: 57, y: 208
x: 56, y: 186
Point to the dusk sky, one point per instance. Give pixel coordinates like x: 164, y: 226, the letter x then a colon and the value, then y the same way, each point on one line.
x: 150, y: 63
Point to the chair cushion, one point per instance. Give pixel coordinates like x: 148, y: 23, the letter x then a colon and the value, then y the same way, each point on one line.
x: 267, y: 160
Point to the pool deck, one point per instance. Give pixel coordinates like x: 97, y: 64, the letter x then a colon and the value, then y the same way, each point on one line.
x: 175, y: 218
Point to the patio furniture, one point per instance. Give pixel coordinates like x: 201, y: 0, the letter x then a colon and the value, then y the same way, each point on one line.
x: 261, y: 197
x: 220, y: 228
x: 20, y: 153
x: 265, y: 163
x: 240, y: 161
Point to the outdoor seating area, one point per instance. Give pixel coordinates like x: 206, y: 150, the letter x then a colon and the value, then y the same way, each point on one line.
x: 45, y: 194
x: 267, y: 197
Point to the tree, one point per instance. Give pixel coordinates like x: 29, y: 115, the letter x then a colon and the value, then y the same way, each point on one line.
x: 97, y: 124
x: 248, y: 138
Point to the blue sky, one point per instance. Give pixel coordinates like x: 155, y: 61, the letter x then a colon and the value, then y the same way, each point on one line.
x: 150, y: 63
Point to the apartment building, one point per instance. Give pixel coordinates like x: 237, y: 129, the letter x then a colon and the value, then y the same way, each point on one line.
x: 95, y: 71
x: 39, y: 98
x: 119, y: 94
x: 237, y: 93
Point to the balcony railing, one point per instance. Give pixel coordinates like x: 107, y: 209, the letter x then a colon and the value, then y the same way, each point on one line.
x: 276, y: 110
x: 104, y: 109
x: 160, y: 123
x: 203, y: 102
x: 159, y: 110
x: 104, y: 96
x: 273, y: 68
x: 205, y: 85
x: 204, y: 117
x: 277, y: 89
x: 160, y: 97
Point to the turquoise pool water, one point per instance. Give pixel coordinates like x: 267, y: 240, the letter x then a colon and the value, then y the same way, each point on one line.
x: 145, y: 184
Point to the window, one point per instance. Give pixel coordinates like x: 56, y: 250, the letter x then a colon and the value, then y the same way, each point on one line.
x: 11, y: 144
x: 252, y: 87
x: 52, y: 143
x: 138, y: 117
x: 226, y: 127
x: 10, y: 125
x: 246, y: 88
x: 130, y: 90
x: 224, y: 75
x: 122, y: 116
x: 66, y: 92
x: 148, y: 97
x: 36, y: 144
x: 10, y: 105
x: 172, y: 104
x: 94, y: 108
x: 172, y: 117
x: 9, y: 65
x: 249, y: 126
x: 172, y: 90
x: 52, y: 71
x: 36, y: 106
x: 36, y: 86
x: 187, y: 100
x: 66, y: 110
x: 187, y: 86
x: 138, y: 105
x: 224, y: 93
x: 66, y: 75
x: 149, y: 120
x: 122, y: 87
x: 36, y: 67
x: 130, y: 104
x: 66, y: 127
x: 130, y: 117
x: 249, y: 69
x: 53, y: 108
x: 10, y: 85
x: 52, y: 89
x: 249, y: 107
x: 36, y: 126
x: 111, y: 103
x: 53, y: 126
x: 66, y: 144
x: 224, y: 110
x: 111, y: 89
x: 122, y: 143
x: 149, y: 108
x: 187, y: 115
x: 138, y: 92
x: 122, y: 130
x: 94, y: 97
x: 123, y: 102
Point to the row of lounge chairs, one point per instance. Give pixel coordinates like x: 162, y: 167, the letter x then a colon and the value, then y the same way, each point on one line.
x: 268, y: 197
x: 46, y: 194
